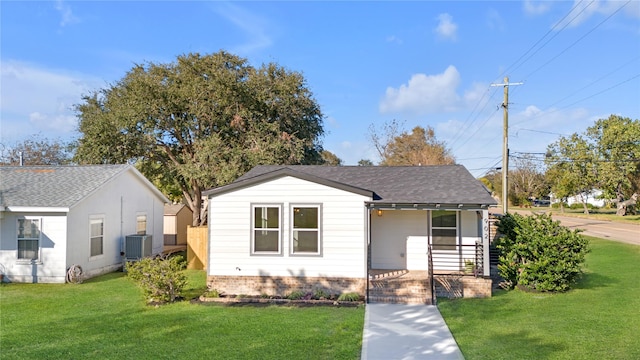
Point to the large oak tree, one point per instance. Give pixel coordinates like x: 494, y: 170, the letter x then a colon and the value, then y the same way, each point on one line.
x: 201, y: 122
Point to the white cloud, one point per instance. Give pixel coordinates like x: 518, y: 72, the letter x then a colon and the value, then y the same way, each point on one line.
x: 446, y: 29
x: 40, y: 100
x: 582, y: 11
x: 424, y: 94
x: 535, y: 8
x: 255, y: 27
x: 67, y: 15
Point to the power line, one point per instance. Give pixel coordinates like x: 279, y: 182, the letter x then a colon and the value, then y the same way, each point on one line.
x: 548, y: 32
x: 595, y: 81
x: 543, y: 113
x: 460, y: 132
x: 579, y: 39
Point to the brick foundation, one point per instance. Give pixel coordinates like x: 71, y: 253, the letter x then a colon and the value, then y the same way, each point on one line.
x: 476, y: 287
x: 281, y: 286
x: 456, y: 286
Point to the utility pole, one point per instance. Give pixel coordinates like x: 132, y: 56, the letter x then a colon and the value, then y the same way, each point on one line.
x: 505, y: 144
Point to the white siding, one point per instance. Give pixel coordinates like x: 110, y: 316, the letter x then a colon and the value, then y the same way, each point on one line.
x: 119, y: 201
x: 343, y: 231
x: 389, y: 235
x: 50, y: 268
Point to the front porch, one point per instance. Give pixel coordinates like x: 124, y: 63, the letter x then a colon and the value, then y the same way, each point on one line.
x: 404, y: 286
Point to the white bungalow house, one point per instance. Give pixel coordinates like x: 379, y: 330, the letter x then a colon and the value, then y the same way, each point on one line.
x: 54, y: 217
x: 350, y: 229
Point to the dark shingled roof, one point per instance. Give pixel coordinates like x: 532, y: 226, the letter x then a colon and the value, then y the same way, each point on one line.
x: 52, y: 186
x: 436, y: 184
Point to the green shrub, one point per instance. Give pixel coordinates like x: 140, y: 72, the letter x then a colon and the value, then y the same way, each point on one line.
x: 538, y: 253
x: 320, y: 294
x: 295, y: 295
x: 579, y: 206
x: 352, y: 296
x: 212, y: 293
x: 161, y: 278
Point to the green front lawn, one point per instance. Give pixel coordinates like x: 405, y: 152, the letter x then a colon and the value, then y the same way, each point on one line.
x: 599, y: 319
x: 106, y: 318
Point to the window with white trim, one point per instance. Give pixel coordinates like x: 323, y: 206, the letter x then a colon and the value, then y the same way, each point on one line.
x: 444, y: 229
x: 96, y: 236
x: 28, y: 236
x: 266, y: 229
x: 305, y: 229
x: 141, y: 224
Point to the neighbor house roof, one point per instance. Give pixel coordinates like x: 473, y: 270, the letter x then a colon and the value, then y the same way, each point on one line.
x: 437, y: 184
x: 57, y: 186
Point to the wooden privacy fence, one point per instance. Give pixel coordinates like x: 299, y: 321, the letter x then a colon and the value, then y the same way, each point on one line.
x: 197, y: 248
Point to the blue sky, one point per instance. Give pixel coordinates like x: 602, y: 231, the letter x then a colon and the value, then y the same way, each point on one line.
x: 427, y: 63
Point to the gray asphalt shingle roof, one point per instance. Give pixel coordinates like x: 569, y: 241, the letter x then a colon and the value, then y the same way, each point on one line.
x: 445, y: 184
x: 52, y: 186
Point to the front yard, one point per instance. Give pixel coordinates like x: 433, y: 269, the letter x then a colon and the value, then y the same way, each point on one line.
x: 106, y: 318
x: 599, y: 319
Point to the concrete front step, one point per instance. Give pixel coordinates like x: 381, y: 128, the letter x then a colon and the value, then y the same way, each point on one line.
x: 399, y: 292
x: 411, y: 300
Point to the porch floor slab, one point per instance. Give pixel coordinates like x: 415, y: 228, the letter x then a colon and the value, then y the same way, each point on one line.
x: 397, y: 331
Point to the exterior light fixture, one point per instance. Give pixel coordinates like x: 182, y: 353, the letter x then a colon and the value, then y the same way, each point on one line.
x: 379, y: 212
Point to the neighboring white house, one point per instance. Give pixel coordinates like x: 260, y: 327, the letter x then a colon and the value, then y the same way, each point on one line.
x: 53, y: 217
x: 592, y: 197
x: 283, y: 228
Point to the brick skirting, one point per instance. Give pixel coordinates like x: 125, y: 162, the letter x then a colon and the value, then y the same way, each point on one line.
x: 457, y: 286
x: 281, y: 286
x: 476, y: 287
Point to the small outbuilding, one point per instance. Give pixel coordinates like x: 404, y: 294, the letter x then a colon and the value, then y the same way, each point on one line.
x: 177, y: 218
x: 53, y: 218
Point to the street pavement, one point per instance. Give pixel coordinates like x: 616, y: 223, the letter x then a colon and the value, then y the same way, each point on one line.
x: 610, y: 230
x: 622, y: 232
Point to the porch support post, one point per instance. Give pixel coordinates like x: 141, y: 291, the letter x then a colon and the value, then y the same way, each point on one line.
x: 368, y: 247
x: 485, y: 244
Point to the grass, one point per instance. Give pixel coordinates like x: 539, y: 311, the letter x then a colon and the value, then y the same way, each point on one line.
x: 596, y: 214
x: 106, y: 317
x: 599, y: 319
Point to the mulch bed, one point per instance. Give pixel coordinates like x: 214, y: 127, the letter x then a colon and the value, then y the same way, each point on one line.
x: 258, y: 301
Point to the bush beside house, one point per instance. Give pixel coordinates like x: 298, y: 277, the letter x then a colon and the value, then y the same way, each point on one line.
x: 537, y: 253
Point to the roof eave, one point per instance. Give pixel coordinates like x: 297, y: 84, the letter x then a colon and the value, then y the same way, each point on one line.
x: 283, y: 172
x: 38, y: 209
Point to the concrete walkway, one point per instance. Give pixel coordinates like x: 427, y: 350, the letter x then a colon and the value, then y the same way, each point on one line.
x: 407, y: 332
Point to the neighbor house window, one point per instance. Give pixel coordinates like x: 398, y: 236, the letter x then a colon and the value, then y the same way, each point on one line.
x: 444, y: 229
x: 265, y: 229
x: 28, y: 239
x: 305, y: 232
x: 96, y: 236
x: 141, y: 224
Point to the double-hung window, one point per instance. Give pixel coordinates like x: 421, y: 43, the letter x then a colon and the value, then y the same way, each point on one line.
x: 444, y: 229
x: 305, y: 230
x: 266, y: 229
x: 96, y: 236
x: 28, y: 239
